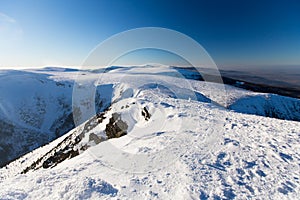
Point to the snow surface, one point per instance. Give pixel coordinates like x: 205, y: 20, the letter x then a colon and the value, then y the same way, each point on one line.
x: 36, y: 108
x: 190, y: 148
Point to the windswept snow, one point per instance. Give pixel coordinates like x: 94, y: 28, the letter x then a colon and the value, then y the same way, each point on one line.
x: 189, y: 148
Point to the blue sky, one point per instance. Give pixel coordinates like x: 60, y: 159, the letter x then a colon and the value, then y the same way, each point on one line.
x: 234, y: 33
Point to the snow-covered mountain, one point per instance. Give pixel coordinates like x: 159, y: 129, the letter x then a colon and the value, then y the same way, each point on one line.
x: 154, y: 135
x: 35, y: 109
x: 269, y: 105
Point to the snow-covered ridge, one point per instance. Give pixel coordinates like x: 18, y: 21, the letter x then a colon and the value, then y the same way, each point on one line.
x: 36, y: 105
x: 187, y: 149
x: 269, y: 105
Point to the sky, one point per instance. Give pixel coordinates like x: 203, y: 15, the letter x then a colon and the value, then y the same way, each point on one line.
x: 64, y: 32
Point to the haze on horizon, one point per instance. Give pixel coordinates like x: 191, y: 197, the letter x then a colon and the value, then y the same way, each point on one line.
x: 234, y: 33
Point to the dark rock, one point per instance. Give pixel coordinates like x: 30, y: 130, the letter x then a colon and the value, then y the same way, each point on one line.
x: 146, y: 114
x: 116, y: 127
x: 95, y: 138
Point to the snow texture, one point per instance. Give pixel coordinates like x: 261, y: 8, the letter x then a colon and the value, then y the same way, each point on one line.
x: 190, y: 147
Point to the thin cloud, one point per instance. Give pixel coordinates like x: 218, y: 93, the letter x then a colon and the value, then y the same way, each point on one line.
x: 6, y: 18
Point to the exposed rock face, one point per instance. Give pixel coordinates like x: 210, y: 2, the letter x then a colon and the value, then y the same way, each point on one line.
x: 146, y: 114
x: 59, y: 157
x: 116, y: 127
x: 71, y: 146
x: 95, y: 138
x: 67, y: 148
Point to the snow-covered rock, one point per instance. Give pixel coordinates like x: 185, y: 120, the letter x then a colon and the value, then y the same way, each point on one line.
x: 178, y: 143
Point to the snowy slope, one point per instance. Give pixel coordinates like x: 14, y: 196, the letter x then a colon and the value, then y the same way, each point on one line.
x: 36, y: 109
x: 270, y: 105
x: 33, y: 108
x: 188, y: 147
